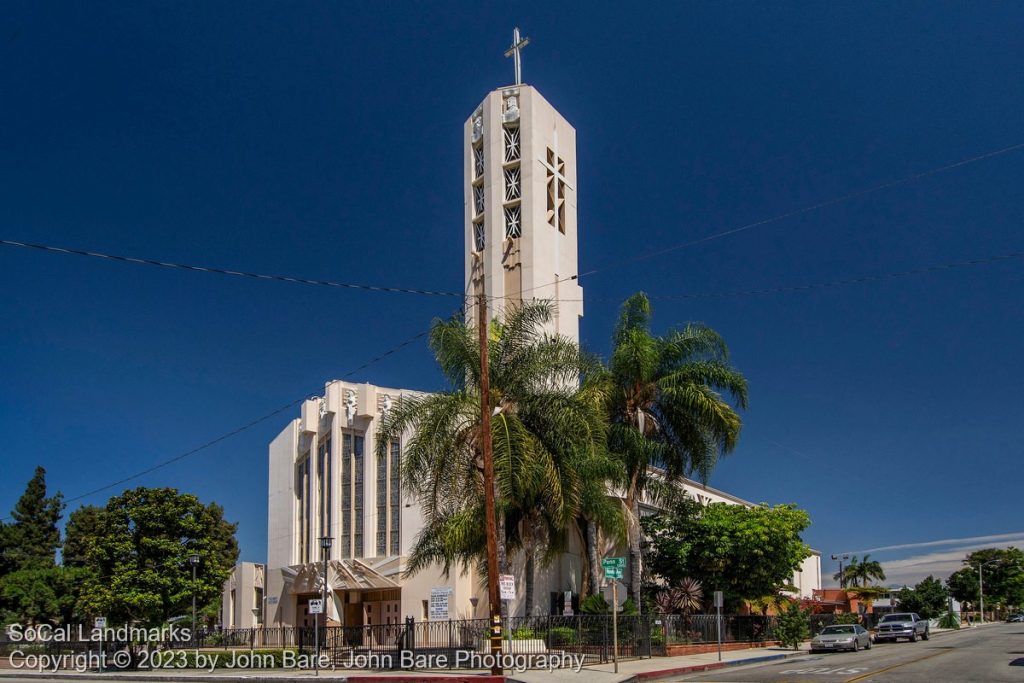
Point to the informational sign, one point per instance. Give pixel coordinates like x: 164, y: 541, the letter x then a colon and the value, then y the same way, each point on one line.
x: 272, y: 600
x: 567, y: 603
x: 316, y: 606
x: 507, y: 586
x: 439, y: 600
x: 613, y: 562
x: 101, y: 622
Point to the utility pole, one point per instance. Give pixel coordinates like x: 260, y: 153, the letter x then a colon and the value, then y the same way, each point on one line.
x: 490, y: 516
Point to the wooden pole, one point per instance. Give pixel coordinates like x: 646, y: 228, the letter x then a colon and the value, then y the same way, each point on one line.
x: 489, y: 513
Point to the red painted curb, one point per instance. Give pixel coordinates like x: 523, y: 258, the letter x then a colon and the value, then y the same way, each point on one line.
x: 428, y: 678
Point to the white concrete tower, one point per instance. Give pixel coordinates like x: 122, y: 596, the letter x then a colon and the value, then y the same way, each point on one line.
x: 520, y: 212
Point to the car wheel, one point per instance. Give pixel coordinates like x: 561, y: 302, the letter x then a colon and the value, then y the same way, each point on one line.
x: 913, y: 637
x: 856, y: 645
x: 926, y: 635
x: 868, y: 646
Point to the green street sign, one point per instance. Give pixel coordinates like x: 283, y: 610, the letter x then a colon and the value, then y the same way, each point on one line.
x: 613, y: 562
x: 613, y: 572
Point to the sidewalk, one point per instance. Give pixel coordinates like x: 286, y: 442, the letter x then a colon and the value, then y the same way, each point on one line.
x: 629, y: 670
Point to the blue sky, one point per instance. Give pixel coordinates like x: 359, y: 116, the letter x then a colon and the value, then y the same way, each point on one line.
x: 324, y: 140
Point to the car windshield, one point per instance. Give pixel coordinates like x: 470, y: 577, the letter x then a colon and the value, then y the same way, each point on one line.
x: 895, y: 617
x: 832, y: 630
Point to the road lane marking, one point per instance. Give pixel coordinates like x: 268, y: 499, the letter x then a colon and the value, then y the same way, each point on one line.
x: 896, y: 666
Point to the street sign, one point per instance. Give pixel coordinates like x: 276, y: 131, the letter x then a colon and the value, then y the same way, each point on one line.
x: 507, y: 586
x: 316, y: 606
x: 613, y: 572
x: 613, y: 562
x: 101, y: 622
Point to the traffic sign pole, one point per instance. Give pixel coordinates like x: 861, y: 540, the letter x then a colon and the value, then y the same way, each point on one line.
x: 615, y: 625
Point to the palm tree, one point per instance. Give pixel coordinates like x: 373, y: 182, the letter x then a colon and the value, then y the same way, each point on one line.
x: 548, y: 434
x: 870, y: 570
x: 850, y: 574
x: 667, y: 409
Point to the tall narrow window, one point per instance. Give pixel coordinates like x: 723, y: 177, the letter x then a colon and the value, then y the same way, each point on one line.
x: 513, y: 221
x: 302, y: 490
x: 512, y: 147
x: 479, y: 239
x: 382, y: 506
x: 324, y: 472
x: 512, y: 184
x: 478, y: 161
x: 478, y: 200
x: 346, y: 496
x: 396, y: 497
x: 357, y: 516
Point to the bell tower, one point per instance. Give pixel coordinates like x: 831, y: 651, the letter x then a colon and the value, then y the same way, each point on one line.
x: 520, y: 203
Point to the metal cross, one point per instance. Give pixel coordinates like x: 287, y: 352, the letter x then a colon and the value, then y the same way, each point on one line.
x: 517, y: 45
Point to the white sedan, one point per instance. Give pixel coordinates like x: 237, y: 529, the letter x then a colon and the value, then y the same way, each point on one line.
x: 841, y: 637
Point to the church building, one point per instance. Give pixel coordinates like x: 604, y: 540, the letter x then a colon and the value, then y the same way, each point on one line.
x: 521, y: 243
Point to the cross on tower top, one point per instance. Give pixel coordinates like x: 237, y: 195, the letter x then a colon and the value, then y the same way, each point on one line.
x: 517, y: 45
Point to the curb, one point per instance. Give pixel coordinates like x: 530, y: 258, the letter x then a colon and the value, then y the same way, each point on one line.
x: 712, y: 666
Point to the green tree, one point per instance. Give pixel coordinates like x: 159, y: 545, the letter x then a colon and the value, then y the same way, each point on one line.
x: 667, y: 409
x: 860, y: 572
x: 793, y: 625
x: 84, y: 525
x: 1003, y: 574
x: 548, y: 433
x: 929, y: 598
x: 139, y: 559
x: 746, y: 552
x: 31, y: 542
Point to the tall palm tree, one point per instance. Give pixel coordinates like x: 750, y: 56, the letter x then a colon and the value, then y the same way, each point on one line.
x: 671, y: 407
x: 548, y: 434
x: 868, y: 570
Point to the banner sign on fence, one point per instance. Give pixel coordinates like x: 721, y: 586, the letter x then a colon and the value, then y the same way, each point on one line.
x: 439, y: 599
x: 316, y: 606
x: 507, y: 586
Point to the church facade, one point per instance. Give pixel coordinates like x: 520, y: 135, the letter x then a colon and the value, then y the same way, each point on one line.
x: 520, y: 243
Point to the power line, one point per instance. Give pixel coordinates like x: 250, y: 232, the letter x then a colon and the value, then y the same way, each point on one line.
x: 814, y: 207
x: 223, y: 271
x: 860, y: 280
x: 245, y: 427
x: 778, y: 217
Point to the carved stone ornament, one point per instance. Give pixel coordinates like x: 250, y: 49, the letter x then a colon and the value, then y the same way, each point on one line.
x: 511, y: 109
x: 478, y: 127
x: 350, y: 404
x: 323, y: 407
x: 385, y: 407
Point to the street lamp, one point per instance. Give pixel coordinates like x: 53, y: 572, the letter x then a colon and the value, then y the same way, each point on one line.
x: 842, y: 579
x: 325, y: 546
x: 981, y: 585
x: 193, y: 560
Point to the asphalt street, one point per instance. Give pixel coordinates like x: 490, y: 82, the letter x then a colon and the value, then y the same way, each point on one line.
x: 992, y: 653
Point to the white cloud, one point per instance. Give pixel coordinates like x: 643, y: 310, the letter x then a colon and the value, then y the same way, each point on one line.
x: 1000, y: 539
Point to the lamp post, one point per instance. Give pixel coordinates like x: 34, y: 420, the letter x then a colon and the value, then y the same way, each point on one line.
x: 325, y: 546
x: 193, y: 560
x: 842, y: 579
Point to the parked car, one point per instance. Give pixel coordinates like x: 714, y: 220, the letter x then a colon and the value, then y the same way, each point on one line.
x: 1016, y: 619
x: 902, y: 625
x: 841, y: 637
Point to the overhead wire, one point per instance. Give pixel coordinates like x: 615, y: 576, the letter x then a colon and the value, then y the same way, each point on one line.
x: 223, y: 271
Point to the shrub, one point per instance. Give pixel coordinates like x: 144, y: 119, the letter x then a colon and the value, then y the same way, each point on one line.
x: 949, y: 620
x: 524, y: 633
x: 793, y: 626
x: 562, y: 635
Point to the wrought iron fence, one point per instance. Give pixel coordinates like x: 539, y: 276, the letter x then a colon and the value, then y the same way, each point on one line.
x: 700, y: 629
